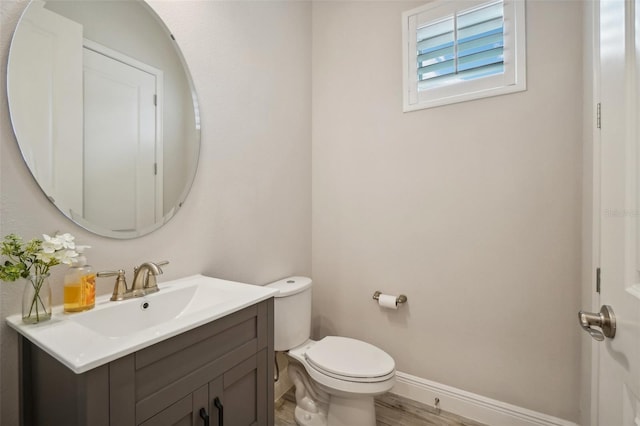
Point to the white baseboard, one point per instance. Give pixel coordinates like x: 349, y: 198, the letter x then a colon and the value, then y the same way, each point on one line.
x: 469, y: 405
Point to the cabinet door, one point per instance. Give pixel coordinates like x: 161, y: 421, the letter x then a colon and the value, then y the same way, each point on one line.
x: 240, y: 393
x: 185, y: 412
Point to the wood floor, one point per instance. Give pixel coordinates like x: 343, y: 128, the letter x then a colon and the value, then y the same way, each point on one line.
x: 391, y: 410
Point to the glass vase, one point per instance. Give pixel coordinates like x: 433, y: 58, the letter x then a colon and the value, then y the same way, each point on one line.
x: 36, y: 299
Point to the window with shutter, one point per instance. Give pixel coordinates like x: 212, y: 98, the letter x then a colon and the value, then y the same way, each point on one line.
x: 461, y: 50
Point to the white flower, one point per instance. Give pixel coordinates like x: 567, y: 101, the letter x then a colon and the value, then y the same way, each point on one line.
x: 66, y: 256
x: 50, y: 245
x: 59, y: 242
x: 45, y: 257
x: 66, y: 240
x: 58, y: 249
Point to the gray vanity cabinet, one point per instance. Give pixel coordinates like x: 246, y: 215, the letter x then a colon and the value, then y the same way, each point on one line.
x: 225, y: 365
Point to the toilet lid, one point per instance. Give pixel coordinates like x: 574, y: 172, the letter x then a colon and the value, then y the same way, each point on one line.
x: 349, y: 358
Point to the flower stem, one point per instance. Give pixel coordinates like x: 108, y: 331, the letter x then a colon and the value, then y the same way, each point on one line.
x: 36, y: 296
x: 36, y: 282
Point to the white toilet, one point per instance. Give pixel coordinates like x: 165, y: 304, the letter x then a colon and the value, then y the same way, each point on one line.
x: 336, y: 378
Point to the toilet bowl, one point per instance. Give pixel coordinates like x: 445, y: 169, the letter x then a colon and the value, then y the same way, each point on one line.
x: 336, y: 378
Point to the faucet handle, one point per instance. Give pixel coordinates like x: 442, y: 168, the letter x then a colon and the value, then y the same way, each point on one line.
x: 120, y: 287
x: 161, y: 263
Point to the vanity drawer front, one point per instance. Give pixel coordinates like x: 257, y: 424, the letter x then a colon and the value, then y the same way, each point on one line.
x: 186, y: 356
x: 154, y: 353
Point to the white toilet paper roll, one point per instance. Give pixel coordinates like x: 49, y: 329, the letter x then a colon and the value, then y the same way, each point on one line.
x: 387, y: 301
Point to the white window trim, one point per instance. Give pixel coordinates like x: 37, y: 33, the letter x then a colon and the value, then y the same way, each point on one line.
x: 513, y: 80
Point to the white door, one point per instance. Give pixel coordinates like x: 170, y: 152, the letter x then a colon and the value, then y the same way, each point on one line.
x: 120, y: 144
x: 618, y: 366
x: 45, y: 88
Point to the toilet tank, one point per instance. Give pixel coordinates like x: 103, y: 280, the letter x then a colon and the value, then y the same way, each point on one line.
x: 292, y: 312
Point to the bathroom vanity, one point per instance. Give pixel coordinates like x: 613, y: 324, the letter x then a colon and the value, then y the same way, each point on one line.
x: 217, y: 373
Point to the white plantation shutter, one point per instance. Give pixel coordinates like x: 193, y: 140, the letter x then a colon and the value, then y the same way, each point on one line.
x: 436, y: 50
x: 457, y: 51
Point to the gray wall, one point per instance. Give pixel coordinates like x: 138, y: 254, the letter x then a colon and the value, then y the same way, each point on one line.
x: 248, y: 215
x: 472, y: 210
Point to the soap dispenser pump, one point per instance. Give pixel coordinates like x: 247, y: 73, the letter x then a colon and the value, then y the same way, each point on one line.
x: 79, y: 284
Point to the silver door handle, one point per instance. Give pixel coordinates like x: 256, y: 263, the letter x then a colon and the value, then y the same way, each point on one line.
x: 605, y: 319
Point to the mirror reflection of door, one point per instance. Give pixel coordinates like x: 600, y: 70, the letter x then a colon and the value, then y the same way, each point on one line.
x: 48, y: 88
x: 46, y: 103
x: 122, y: 141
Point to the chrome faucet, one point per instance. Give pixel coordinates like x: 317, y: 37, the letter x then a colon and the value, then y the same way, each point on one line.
x: 144, y: 280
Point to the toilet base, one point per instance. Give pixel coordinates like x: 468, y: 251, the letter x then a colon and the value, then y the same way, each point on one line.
x: 351, y: 411
x: 307, y: 418
x: 342, y: 412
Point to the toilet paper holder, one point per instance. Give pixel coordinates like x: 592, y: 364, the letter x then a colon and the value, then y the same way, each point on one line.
x: 399, y: 300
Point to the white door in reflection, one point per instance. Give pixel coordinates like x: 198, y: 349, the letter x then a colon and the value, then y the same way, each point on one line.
x: 46, y: 90
x: 122, y: 141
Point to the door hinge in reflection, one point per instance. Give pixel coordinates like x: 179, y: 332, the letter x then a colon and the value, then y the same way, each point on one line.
x: 155, y: 169
x: 155, y: 100
x: 598, y: 116
x: 597, y: 280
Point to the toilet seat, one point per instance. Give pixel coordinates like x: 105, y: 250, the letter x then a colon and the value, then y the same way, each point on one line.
x: 351, y: 360
x: 337, y: 384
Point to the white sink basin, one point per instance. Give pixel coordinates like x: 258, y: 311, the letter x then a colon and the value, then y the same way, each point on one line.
x: 111, y: 330
x: 132, y: 316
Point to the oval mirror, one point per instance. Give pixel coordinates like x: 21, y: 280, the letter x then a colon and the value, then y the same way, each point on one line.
x: 105, y: 113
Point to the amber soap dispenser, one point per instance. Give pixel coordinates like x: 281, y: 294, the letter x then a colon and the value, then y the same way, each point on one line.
x: 79, y: 284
